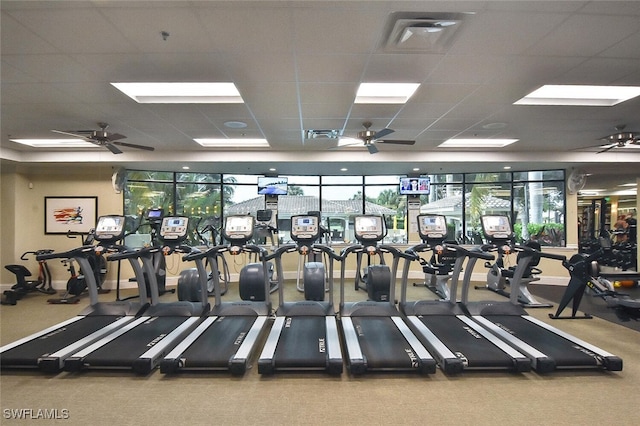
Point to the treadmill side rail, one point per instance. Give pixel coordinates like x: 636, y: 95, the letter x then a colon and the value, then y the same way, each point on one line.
x: 334, y: 352
x: 357, y: 363
x: 54, y: 362
x: 426, y: 363
x: 150, y: 359
x: 239, y: 362
x: 540, y: 362
x: 609, y: 361
x: 172, y: 362
x: 265, y: 362
x: 39, y: 333
x: 447, y: 360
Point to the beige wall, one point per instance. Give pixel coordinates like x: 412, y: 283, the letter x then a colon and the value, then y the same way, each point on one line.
x: 22, y: 220
x: 22, y: 211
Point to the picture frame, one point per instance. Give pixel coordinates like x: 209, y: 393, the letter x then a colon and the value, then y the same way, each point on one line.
x: 70, y: 214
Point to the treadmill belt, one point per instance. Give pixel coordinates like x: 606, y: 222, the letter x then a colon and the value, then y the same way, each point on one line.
x: 29, y: 352
x: 213, y: 348
x: 383, y: 345
x: 122, y: 351
x: 466, y: 343
x: 302, y: 343
x: 564, y: 352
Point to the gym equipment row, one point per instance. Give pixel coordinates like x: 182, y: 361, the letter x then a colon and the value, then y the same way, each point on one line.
x: 308, y: 335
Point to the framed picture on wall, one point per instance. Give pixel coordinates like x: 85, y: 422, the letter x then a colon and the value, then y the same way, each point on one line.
x: 75, y: 214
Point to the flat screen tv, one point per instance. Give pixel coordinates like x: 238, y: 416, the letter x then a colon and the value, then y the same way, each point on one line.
x: 272, y: 185
x: 415, y: 186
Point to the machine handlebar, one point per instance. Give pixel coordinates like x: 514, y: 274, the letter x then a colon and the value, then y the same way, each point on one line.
x: 79, y: 251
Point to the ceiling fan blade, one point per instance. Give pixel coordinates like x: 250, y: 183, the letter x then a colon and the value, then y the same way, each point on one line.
x: 112, y: 148
x: 607, y: 148
x: 69, y: 133
x: 398, y: 142
x: 382, y: 133
x: 130, y: 145
x: 372, y: 148
x: 116, y: 136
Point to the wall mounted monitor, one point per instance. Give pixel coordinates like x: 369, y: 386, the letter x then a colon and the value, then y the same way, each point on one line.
x: 415, y: 186
x: 272, y: 185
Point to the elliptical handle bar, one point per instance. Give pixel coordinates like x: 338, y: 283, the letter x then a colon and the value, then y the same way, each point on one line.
x: 395, y: 252
x: 476, y: 252
x: 288, y: 248
x: 326, y: 249
x: 79, y: 251
x: 540, y: 253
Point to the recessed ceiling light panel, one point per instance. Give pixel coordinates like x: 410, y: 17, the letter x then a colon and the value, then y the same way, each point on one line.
x: 579, y: 95
x: 385, y: 93
x: 181, y: 93
x: 233, y: 143
x: 476, y: 143
x: 56, y: 143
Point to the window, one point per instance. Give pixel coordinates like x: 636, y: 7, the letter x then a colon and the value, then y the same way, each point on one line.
x: 534, y: 200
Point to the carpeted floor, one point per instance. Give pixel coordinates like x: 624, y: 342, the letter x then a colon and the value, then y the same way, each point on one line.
x: 580, y: 397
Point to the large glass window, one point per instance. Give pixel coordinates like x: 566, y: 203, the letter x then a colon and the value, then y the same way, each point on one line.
x: 534, y: 200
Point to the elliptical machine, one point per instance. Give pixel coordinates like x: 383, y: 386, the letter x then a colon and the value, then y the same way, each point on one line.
x: 439, y: 269
x: 153, y: 219
x: 189, y: 280
x: 375, y: 279
x: 499, y: 276
x: 77, y: 282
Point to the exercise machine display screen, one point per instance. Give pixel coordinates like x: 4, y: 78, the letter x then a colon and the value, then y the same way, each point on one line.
x: 304, y: 228
x: 496, y: 227
x: 368, y: 228
x: 432, y: 226
x: 174, y: 228
x: 109, y: 228
x: 239, y: 227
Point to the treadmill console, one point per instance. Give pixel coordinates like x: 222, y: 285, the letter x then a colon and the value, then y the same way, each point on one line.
x: 368, y: 228
x: 109, y: 229
x: 305, y: 228
x: 174, y: 229
x: 238, y: 229
x: 432, y: 227
x: 497, y: 228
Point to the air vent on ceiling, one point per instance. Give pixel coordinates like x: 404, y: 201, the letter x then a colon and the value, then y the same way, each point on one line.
x: 421, y: 31
x: 322, y: 134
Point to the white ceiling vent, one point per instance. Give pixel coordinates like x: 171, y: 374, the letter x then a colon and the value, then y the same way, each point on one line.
x: 322, y: 134
x: 421, y: 31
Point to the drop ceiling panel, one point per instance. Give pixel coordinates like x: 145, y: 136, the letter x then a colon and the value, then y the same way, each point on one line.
x: 16, y: 39
x: 324, y: 67
x: 61, y: 27
x: 586, y: 35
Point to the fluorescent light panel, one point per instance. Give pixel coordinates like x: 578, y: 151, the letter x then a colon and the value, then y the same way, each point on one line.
x: 476, y: 143
x: 233, y: 143
x: 385, y: 93
x: 579, y: 95
x: 56, y: 143
x: 181, y: 93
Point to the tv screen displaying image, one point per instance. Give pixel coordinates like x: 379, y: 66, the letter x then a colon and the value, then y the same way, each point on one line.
x: 415, y: 186
x: 272, y: 185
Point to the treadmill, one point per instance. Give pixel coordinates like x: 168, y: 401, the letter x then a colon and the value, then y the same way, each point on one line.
x: 456, y: 342
x: 227, y: 338
x: 141, y: 344
x: 49, y: 348
x: 547, y: 347
x: 375, y: 336
x: 304, y: 335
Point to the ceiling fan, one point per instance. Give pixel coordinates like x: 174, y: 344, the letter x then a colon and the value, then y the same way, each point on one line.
x: 103, y: 138
x: 368, y: 138
x: 620, y: 139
